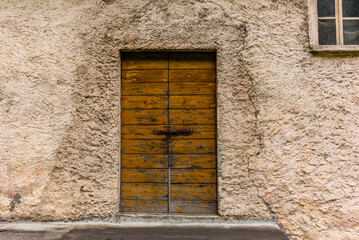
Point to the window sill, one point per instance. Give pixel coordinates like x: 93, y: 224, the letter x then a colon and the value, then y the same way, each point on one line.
x: 334, y: 48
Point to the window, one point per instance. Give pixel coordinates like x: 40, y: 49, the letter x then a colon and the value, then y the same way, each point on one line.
x: 333, y: 25
x: 338, y: 22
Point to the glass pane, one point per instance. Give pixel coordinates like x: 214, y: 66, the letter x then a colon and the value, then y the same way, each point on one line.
x: 326, y: 8
x: 350, y: 8
x: 327, y: 33
x: 351, y: 32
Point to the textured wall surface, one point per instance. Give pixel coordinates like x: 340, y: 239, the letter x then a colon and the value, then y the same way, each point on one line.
x: 288, y: 120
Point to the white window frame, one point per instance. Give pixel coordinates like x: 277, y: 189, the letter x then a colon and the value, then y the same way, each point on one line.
x: 313, y: 29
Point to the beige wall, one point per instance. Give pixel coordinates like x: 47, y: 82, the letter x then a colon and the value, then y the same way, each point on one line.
x: 288, y: 130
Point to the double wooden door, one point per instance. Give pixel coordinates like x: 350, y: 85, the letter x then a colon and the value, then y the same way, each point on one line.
x: 168, y: 154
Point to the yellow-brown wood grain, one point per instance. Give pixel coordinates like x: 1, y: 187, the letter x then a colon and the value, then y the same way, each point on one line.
x: 195, y: 146
x: 130, y: 76
x: 193, y: 176
x: 135, y: 89
x: 193, y: 161
x: 199, y: 131
x: 133, y: 60
x: 142, y: 131
x: 144, y: 117
x: 168, y: 91
x: 145, y: 102
x: 192, y: 116
x: 192, y: 75
x: 191, y: 88
x: 145, y: 161
x: 153, y: 206
x: 185, y: 192
x: 192, y: 101
x: 145, y: 191
x: 194, y: 207
x: 144, y: 146
x: 198, y: 60
x: 144, y: 175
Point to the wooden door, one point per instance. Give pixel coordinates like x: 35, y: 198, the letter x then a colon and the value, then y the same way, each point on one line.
x: 168, y: 133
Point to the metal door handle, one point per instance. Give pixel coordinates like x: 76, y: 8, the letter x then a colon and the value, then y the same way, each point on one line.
x: 173, y: 132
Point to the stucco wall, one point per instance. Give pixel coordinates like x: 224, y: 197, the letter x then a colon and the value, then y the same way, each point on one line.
x: 287, y: 119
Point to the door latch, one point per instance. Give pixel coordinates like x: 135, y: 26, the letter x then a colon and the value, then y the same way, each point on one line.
x: 173, y: 132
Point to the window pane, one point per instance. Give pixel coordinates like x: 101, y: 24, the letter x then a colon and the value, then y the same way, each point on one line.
x: 351, y: 32
x: 327, y: 33
x: 326, y: 8
x: 350, y: 8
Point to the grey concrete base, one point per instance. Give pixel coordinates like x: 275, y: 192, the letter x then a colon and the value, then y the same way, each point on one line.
x: 143, y: 226
x: 161, y: 219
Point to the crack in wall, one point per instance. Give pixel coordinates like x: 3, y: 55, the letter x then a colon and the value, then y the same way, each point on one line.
x: 273, y: 216
x: 251, y: 97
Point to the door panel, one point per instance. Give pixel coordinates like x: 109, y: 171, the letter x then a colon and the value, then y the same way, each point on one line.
x: 195, y: 146
x: 130, y: 161
x: 144, y: 146
x: 192, y: 161
x: 198, y: 101
x: 199, y: 131
x: 144, y: 102
x: 192, y: 116
x: 144, y: 117
x: 142, y: 131
x: 201, y: 207
x: 148, y: 60
x: 144, y: 191
x: 136, y: 89
x: 144, y: 175
x: 151, y: 206
x: 191, y: 192
x: 193, y: 176
x: 192, y: 76
x: 168, y: 162
x: 192, y: 61
x: 191, y: 88
x: 131, y: 76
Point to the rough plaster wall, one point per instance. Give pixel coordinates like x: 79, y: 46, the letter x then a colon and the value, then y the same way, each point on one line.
x: 287, y: 120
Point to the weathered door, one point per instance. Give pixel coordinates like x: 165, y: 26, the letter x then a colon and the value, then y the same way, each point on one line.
x: 168, y: 133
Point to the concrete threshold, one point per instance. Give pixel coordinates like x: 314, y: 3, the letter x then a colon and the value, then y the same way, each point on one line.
x: 144, y: 220
x: 160, y: 224
x: 185, y: 220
